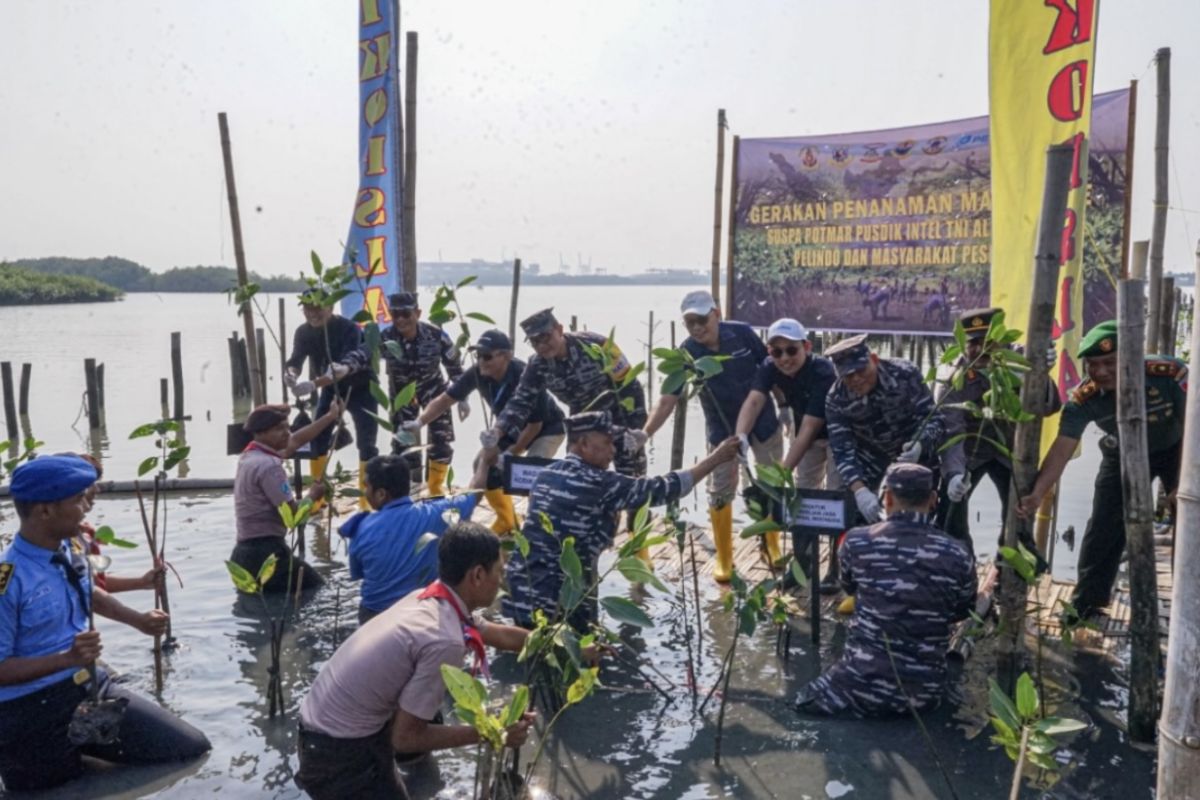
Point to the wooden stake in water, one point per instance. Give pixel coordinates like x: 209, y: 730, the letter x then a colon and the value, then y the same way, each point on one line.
x: 177, y: 373
x: 23, y: 407
x: 93, y: 393
x: 10, y: 404
x: 1158, y: 230
x: 512, y: 302
x: 650, y: 361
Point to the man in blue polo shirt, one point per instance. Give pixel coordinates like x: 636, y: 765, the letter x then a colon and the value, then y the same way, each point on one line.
x: 46, y: 648
x: 722, y: 399
x: 384, y: 543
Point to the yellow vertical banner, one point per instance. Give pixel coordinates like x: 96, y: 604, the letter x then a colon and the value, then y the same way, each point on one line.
x: 1041, y: 58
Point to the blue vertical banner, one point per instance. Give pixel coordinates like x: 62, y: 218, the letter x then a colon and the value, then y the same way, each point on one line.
x: 373, y: 245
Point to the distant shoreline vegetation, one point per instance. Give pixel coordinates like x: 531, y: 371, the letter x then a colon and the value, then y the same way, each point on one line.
x: 20, y: 287
x: 122, y: 275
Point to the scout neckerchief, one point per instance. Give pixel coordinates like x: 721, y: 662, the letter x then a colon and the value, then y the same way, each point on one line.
x: 262, y: 447
x: 471, y: 636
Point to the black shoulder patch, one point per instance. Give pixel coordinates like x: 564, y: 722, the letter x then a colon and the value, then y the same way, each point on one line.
x: 6, y: 573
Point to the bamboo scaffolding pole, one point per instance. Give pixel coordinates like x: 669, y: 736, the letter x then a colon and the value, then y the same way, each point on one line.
x: 720, y: 196
x: 1158, y: 231
x: 1127, y: 203
x: 729, y: 237
x: 409, y: 237
x: 1179, y: 730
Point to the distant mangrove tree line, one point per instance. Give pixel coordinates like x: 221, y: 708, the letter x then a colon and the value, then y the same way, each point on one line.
x: 90, y: 280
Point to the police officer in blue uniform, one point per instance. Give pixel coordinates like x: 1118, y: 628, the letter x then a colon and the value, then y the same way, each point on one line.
x: 722, y: 399
x: 417, y: 351
x: 1094, y: 400
x: 878, y: 411
x: 582, y: 498
x: 912, y: 583
x: 46, y: 647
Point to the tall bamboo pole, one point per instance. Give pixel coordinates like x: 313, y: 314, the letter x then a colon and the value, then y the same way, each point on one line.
x: 1166, y: 316
x: 1034, y: 396
x: 1141, y: 251
x: 1179, y: 739
x: 1158, y: 231
x: 1127, y: 203
x: 1139, y: 510
x: 512, y: 303
x: 729, y: 247
x: 239, y: 253
x: 410, y: 161
x: 720, y: 195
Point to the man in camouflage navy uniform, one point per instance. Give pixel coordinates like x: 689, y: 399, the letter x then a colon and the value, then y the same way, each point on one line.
x: 913, y: 582
x: 1095, y: 400
x: 563, y: 366
x: 418, y: 351
x: 878, y: 411
x: 582, y: 498
x: 969, y: 459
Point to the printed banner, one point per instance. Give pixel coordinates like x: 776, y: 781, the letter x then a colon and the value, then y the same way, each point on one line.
x: 891, y: 231
x: 373, y: 244
x: 1041, y: 67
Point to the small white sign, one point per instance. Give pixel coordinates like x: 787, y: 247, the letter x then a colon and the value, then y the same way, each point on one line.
x: 523, y: 475
x: 817, y: 512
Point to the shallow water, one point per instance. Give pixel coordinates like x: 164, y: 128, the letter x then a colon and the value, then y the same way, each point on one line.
x: 625, y: 742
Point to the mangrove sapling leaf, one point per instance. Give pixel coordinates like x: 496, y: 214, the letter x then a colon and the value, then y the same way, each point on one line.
x: 405, y: 396
x: 1022, y: 561
x: 1053, y: 726
x: 636, y: 571
x: 475, y: 315
x: 242, y: 579
x: 798, y: 573
x: 521, y: 543
x: 362, y: 317
x: 380, y: 395
x: 582, y: 686
x: 147, y: 465
x: 708, y: 366
x: 627, y: 403
x: 143, y: 430
x: 666, y: 354
x: 106, y: 535
x: 624, y: 610
x: 317, y: 266
x: 287, y: 514
x: 1002, y: 707
x: 395, y: 349
x: 176, y: 455
x: 466, y: 282
x: 267, y: 570
x: 759, y: 528
x: 516, y: 707
x: 1027, y: 701
x: 544, y: 521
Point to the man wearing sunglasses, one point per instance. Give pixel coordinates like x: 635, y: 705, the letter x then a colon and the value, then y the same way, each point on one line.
x: 586, y: 372
x: 495, y: 376
x: 420, y: 352
x: 722, y: 400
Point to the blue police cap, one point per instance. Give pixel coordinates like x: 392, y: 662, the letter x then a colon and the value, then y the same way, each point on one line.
x: 51, y: 478
x: 491, y: 341
x: 849, y: 355
x: 540, y: 322
x: 402, y: 301
x: 588, y: 421
x: 909, y: 481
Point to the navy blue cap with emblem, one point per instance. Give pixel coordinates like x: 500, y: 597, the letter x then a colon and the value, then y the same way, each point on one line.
x: 909, y: 481
x: 589, y: 421
x: 541, y: 322
x: 491, y: 341
x: 849, y: 355
x: 402, y: 301
x: 51, y: 478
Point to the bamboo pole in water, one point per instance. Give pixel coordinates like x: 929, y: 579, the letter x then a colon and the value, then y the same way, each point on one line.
x: 177, y: 373
x: 650, y: 361
x: 239, y: 253
x: 1158, y: 231
x: 1166, y: 317
x: 93, y: 393
x: 410, y: 160
x: 512, y: 302
x: 1179, y: 739
x: 10, y: 404
x: 23, y: 396
x: 1127, y: 205
x: 1034, y: 395
x: 720, y: 196
x: 283, y: 349
x: 1139, y: 510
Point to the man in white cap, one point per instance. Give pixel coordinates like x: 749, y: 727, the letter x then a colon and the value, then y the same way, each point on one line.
x: 722, y: 399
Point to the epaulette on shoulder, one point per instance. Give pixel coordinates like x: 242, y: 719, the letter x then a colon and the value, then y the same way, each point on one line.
x: 1164, y: 367
x: 1084, y: 391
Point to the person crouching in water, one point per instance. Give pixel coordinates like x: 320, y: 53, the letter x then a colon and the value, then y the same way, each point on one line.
x: 262, y: 486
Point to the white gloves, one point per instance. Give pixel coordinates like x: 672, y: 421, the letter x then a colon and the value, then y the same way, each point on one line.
x: 464, y: 410
x: 489, y: 439
x: 957, y: 488
x: 635, y: 439
x: 868, y: 505
x: 303, y: 388
x: 744, y: 448
x: 411, y: 426
x: 289, y: 379
x: 338, y: 371
x: 788, y: 420
x: 911, y: 453
x: 1051, y: 356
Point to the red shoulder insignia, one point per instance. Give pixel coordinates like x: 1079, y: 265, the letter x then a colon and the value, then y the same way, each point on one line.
x: 1083, y: 392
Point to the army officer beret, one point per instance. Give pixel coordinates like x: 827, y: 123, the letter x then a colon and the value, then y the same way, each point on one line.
x: 1100, y: 340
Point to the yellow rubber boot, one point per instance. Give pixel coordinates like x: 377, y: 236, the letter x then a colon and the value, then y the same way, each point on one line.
x: 316, y: 471
x: 436, y: 484
x: 847, y: 605
x: 722, y: 524
x: 363, y: 503
x: 644, y: 555
x: 506, y: 517
x: 773, y: 551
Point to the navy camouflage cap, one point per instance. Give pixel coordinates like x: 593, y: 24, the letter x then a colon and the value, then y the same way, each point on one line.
x: 589, y: 421
x: 1100, y: 340
x: 849, y: 355
x: 976, y: 321
x: 51, y: 478
x: 402, y: 301
x: 909, y: 481
x: 541, y: 322
x: 490, y: 341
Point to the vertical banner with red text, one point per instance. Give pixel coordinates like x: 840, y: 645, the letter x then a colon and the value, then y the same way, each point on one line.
x: 373, y: 244
x: 1042, y: 56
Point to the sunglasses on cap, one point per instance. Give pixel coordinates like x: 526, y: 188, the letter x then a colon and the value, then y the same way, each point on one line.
x: 485, y: 355
x: 779, y: 352
x: 402, y: 313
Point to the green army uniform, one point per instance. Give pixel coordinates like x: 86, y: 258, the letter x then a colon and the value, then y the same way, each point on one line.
x: 1104, y: 539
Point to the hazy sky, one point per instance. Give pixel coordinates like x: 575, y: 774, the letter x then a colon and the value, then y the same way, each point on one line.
x: 548, y: 127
